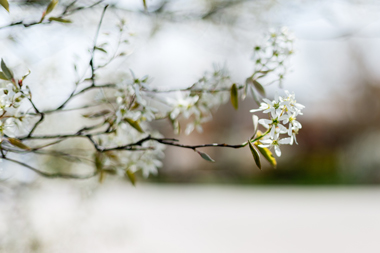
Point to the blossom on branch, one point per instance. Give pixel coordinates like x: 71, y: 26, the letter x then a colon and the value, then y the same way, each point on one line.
x: 281, y: 109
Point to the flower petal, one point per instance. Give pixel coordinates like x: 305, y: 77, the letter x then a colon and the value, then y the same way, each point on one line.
x: 285, y: 140
x: 277, y: 150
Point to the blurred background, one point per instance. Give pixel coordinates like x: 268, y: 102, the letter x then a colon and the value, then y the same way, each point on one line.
x: 323, y: 195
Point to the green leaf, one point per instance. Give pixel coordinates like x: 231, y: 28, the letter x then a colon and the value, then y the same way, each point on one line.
x: 51, y: 7
x: 112, y: 156
x: 255, y: 120
x: 5, y: 4
x: 88, y: 79
x: 96, y: 114
x: 134, y: 124
x: 205, y: 156
x: 265, y: 71
x: 234, y: 96
x: 245, y: 92
x: 7, y: 72
x: 248, y: 81
x: 60, y: 20
x: 259, y: 87
x: 2, y: 76
x: 98, y: 159
x: 26, y: 75
x: 131, y: 176
x: 254, y: 95
x: 102, y: 176
x: 176, y: 125
x: 17, y: 143
x: 100, y: 49
x: 267, y: 154
x: 255, y: 155
x: 110, y: 171
x: 145, y: 6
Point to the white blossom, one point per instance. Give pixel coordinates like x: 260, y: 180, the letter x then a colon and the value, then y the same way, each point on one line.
x: 184, y: 104
x: 127, y: 97
x: 272, y: 55
x: 275, y: 142
x: 209, y: 96
x: 281, y: 109
x: 11, y: 97
x: 292, y: 104
x: 148, y: 160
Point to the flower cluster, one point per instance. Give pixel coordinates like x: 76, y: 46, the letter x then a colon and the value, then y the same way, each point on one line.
x: 146, y: 158
x: 205, y: 95
x: 282, y: 111
x: 271, y: 57
x: 131, y: 105
x: 148, y: 161
x: 131, y: 114
x: 11, y: 98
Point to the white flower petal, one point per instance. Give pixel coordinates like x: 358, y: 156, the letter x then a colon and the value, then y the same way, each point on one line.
x: 286, y: 140
x: 256, y: 110
x: 277, y: 150
x: 268, y: 101
x: 266, y: 141
x: 276, y: 97
x: 189, y: 128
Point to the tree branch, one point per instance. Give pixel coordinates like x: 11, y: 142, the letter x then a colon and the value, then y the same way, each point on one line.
x: 65, y: 13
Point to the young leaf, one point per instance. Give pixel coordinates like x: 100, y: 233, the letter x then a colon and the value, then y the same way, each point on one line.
x: 234, y: 96
x: 259, y: 87
x: 7, y: 72
x: 110, y: 171
x: 96, y: 114
x: 5, y: 4
x: 248, y: 81
x: 51, y: 6
x: 26, y: 75
x: 255, y: 155
x: 102, y: 176
x: 265, y: 151
x: 131, y: 176
x: 265, y: 71
x: 100, y: 49
x: 176, y: 125
x: 98, y: 159
x: 2, y: 76
x: 245, y: 92
x: 267, y: 154
x: 255, y: 120
x: 135, y: 106
x: 112, y: 156
x: 205, y: 156
x: 17, y: 143
x: 145, y: 6
x: 134, y: 124
x: 255, y: 96
x: 60, y: 20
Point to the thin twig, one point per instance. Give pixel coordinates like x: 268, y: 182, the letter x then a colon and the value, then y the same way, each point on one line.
x: 92, y: 65
x: 42, y: 116
x: 62, y: 15
x: 53, y: 175
x: 73, y: 94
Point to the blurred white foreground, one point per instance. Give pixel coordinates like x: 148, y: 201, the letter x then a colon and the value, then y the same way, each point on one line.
x: 65, y: 216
